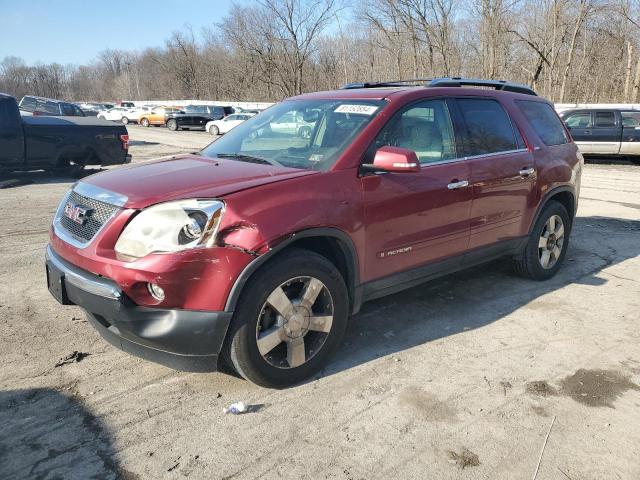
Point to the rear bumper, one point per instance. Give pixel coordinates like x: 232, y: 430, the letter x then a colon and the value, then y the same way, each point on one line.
x: 188, y: 340
x: 116, y: 160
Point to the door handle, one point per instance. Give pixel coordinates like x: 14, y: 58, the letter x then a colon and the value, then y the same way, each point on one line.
x: 587, y: 132
x: 455, y: 185
x: 525, y: 172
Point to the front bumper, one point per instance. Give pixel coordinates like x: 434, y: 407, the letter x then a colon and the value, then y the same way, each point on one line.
x: 188, y: 340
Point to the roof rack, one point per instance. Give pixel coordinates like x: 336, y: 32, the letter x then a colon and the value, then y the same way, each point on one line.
x: 390, y: 83
x: 448, y: 82
x: 476, y: 82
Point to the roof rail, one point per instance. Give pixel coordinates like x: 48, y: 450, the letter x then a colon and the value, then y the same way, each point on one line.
x: 476, y: 82
x: 447, y: 82
x: 390, y: 83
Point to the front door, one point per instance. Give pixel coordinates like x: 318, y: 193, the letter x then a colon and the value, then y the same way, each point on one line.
x: 580, y: 124
x: 416, y: 219
x: 502, y: 172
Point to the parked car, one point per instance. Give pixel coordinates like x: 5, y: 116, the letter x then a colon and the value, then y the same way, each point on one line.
x: 31, y: 105
x: 611, y: 132
x: 259, y: 247
x: 218, y: 127
x: 56, y: 143
x: 194, y: 117
x: 92, y: 109
x: 117, y: 114
x: 157, y: 116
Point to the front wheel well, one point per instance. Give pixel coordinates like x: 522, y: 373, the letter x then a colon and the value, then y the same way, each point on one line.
x: 333, y: 248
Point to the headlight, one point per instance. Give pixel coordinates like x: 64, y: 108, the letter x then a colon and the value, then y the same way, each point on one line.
x: 170, y: 227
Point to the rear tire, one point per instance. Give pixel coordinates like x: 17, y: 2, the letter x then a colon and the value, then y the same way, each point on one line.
x: 547, y: 245
x: 144, y: 122
x: 214, y: 130
x: 299, y: 344
x: 124, y: 120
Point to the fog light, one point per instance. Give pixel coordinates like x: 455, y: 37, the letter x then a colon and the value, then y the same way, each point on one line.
x: 156, y: 291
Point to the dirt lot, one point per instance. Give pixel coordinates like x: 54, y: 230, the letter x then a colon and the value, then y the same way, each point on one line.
x: 461, y: 378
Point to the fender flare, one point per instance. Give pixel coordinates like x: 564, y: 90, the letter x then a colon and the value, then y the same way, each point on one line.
x: 344, y: 241
x: 547, y: 197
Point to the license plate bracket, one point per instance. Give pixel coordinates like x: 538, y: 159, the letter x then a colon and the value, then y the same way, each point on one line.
x: 55, y: 284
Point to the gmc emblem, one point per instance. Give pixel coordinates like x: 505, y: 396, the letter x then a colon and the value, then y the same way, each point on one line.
x: 77, y: 213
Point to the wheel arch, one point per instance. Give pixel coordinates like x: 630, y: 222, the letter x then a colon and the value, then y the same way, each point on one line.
x: 565, y: 195
x: 331, y: 243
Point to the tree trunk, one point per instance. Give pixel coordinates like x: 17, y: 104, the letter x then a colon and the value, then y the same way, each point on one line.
x: 636, y: 84
x: 627, y: 82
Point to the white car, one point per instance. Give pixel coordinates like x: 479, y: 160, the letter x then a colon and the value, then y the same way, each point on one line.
x: 218, y: 127
x: 135, y: 113
x: 117, y: 114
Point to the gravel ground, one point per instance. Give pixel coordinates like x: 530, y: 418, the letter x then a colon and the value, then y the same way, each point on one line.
x: 466, y: 377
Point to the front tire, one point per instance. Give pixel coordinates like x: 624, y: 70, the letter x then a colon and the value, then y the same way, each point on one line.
x: 290, y: 319
x: 547, y: 244
x: 172, y: 125
x: 144, y: 122
x: 214, y: 130
x: 124, y: 120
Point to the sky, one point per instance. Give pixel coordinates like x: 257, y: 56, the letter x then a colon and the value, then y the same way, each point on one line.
x: 75, y: 31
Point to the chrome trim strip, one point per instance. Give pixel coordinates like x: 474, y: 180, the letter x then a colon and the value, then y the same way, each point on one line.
x: 81, y: 279
x: 100, y: 194
x: 472, y: 157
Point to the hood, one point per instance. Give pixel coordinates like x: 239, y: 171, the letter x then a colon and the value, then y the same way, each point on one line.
x: 188, y: 176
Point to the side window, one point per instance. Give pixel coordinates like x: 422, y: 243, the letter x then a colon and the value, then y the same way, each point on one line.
x: 605, y: 119
x: 490, y: 129
x: 579, y: 120
x: 425, y: 128
x: 48, y: 107
x: 630, y: 119
x: 544, y: 121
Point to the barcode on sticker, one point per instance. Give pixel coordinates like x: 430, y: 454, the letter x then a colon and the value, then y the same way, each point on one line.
x: 356, y: 109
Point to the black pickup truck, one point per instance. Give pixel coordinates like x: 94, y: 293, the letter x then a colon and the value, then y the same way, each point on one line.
x: 57, y: 143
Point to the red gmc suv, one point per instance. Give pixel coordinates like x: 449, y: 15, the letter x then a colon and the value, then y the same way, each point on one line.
x: 259, y: 248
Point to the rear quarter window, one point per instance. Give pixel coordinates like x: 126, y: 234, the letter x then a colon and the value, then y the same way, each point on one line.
x: 544, y: 121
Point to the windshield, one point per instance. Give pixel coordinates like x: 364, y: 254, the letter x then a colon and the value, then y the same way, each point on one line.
x: 306, y: 134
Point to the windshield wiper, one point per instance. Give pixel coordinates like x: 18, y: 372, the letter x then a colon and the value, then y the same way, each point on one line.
x: 247, y: 158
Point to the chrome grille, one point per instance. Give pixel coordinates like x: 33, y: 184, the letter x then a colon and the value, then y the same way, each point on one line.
x: 100, y: 213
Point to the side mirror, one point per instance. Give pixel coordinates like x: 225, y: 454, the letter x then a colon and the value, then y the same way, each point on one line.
x: 394, y: 159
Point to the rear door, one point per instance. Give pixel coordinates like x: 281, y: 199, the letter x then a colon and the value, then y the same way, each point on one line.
x: 422, y: 218
x: 606, y: 133
x: 502, y: 171
x: 580, y: 124
x: 630, y: 144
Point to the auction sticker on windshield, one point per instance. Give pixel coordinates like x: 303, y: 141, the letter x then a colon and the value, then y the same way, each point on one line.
x: 357, y: 109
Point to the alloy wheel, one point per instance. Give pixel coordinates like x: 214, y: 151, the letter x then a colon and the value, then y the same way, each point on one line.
x: 294, y: 322
x: 551, y: 242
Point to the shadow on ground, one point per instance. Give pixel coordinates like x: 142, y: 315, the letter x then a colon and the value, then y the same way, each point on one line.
x: 18, y: 179
x: 479, y: 296
x: 47, y: 434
